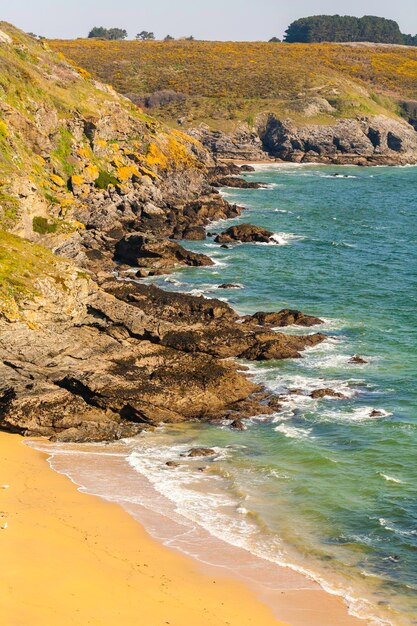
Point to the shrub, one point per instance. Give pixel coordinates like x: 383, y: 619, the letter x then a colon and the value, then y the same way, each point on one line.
x: 104, y: 180
x: 42, y: 226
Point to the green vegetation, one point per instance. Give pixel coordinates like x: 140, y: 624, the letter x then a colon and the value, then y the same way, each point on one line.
x: 22, y: 264
x: 343, y: 28
x: 104, y: 180
x: 224, y: 83
x: 42, y: 226
x: 107, y: 33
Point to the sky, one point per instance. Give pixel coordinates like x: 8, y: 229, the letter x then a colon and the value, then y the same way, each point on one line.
x: 236, y: 20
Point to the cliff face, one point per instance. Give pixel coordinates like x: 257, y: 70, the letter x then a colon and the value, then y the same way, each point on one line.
x: 376, y: 140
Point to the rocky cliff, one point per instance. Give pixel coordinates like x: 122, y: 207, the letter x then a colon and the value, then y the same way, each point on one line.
x: 91, y: 187
x: 376, y: 140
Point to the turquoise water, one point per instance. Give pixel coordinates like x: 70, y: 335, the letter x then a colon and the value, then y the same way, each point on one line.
x: 322, y: 485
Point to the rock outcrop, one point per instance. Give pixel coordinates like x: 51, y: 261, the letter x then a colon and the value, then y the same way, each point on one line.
x: 86, y: 363
x: 244, y: 144
x: 245, y: 233
x: 375, y: 140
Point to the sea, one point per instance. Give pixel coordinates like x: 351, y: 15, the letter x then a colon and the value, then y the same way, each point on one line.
x: 328, y: 487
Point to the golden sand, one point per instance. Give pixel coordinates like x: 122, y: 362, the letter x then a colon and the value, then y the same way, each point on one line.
x: 72, y: 559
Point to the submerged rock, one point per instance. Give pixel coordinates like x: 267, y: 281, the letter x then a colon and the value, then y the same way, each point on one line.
x: 229, y: 286
x: 197, y: 452
x: 357, y: 359
x: 326, y: 392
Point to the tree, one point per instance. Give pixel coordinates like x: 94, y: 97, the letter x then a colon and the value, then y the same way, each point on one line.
x: 343, y: 28
x: 410, y: 40
x: 168, y: 38
x: 275, y: 40
x: 190, y: 38
x: 145, y: 35
x: 100, y: 32
x: 117, y: 33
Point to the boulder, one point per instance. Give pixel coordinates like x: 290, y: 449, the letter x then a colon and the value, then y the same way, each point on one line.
x: 286, y: 317
x: 198, y: 452
x: 326, y: 392
x: 357, y: 359
x: 236, y: 183
x: 245, y: 233
x: 145, y: 251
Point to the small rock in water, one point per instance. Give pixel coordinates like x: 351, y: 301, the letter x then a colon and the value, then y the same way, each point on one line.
x: 172, y: 464
x: 322, y: 393
x: 238, y: 425
x: 228, y: 286
x: 357, y: 359
x: 200, y: 452
x: 376, y: 413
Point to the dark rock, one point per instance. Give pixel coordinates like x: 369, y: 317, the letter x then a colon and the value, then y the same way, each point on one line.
x: 286, y: 317
x: 376, y: 413
x: 146, y: 251
x: 247, y: 233
x: 236, y: 183
x: 238, y: 425
x: 229, y: 286
x: 195, y: 233
x: 326, y: 392
x: 357, y: 359
x: 196, y: 452
x: 172, y: 464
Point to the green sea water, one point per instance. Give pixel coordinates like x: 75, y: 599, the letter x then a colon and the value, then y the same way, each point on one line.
x: 324, y: 486
x: 329, y: 487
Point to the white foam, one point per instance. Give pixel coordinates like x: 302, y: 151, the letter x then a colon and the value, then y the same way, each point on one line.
x: 391, y: 479
x: 293, y: 432
x: 360, y: 414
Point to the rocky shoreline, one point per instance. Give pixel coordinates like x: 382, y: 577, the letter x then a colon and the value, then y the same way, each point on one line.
x: 105, y: 192
x: 105, y: 357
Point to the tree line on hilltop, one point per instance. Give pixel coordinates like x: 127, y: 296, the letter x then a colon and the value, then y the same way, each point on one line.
x: 99, y: 32
x: 314, y: 29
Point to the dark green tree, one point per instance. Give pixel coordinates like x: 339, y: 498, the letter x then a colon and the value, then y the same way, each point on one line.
x: 145, y: 35
x: 168, y: 38
x: 100, y: 32
x: 275, y: 40
x: 344, y: 28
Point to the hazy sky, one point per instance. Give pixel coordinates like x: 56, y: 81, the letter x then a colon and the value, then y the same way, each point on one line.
x: 205, y: 19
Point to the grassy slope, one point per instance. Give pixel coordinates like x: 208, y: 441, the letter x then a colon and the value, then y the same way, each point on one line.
x: 45, y: 102
x: 226, y: 82
x: 26, y: 270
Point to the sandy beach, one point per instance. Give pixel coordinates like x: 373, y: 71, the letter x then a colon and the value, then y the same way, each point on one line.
x: 68, y: 557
